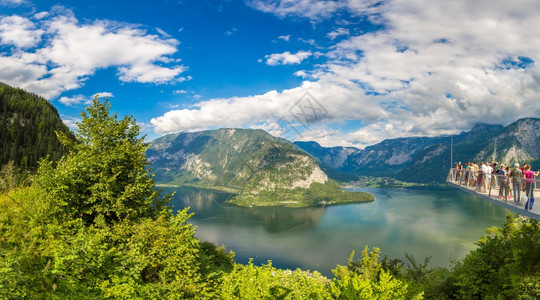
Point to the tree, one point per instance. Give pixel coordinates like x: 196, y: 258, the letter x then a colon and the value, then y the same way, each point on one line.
x: 105, y: 173
x: 366, y: 279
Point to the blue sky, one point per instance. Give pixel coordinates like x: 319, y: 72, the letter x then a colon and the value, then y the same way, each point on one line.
x: 342, y: 72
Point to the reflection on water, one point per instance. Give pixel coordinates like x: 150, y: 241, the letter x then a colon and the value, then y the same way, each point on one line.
x: 210, y: 205
x: 441, y: 222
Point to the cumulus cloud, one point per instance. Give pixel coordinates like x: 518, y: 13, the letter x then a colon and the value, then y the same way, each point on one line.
x: 18, y: 31
x: 446, y: 67
x: 68, y: 51
x: 288, y: 106
x: 287, y: 58
x: 428, y: 69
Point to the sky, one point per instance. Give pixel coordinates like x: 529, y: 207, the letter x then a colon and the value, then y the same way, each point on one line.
x: 339, y: 72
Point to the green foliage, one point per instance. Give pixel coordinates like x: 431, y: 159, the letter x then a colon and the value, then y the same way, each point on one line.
x: 105, y: 174
x: 366, y: 279
x: 506, y: 262
x: 28, y: 124
x: 215, y: 260
x: 417, y: 271
x: 45, y: 258
x: 11, y: 177
x: 266, y: 282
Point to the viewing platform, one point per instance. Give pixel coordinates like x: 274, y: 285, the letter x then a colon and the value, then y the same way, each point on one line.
x: 482, y: 186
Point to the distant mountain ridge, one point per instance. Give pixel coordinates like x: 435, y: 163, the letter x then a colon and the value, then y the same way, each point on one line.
x: 427, y: 159
x: 386, y: 158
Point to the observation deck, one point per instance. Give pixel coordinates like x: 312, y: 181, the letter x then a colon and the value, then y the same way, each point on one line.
x: 492, y: 188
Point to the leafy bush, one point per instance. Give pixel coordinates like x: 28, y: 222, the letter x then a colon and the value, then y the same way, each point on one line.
x: 266, y: 282
x: 366, y: 279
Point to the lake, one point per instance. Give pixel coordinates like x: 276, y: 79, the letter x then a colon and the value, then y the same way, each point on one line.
x: 440, y: 222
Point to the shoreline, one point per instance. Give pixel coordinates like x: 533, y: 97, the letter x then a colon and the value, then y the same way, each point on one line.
x: 285, y: 203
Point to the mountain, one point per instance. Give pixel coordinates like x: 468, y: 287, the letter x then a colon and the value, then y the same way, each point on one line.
x: 391, y: 156
x: 386, y: 158
x: 261, y: 169
x: 427, y: 159
x: 28, y: 123
x: 334, y: 157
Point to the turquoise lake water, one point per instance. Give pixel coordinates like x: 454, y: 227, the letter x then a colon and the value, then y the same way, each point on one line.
x: 440, y: 222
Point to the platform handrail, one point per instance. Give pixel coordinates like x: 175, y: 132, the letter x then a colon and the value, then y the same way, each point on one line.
x: 484, y: 183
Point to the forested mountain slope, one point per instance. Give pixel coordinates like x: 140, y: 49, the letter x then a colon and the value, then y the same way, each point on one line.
x: 28, y: 123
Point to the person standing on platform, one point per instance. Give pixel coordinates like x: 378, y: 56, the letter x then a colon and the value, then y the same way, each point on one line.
x: 529, y: 186
x: 515, y: 176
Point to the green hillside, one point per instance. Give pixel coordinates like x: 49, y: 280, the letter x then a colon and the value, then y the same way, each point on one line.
x: 28, y: 123
x: 261, y: 169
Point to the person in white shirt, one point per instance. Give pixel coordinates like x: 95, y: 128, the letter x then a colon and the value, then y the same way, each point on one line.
x: 488, y: 172
x: 483, y: 169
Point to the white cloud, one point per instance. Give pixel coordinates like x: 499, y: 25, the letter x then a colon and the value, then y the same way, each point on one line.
x: 308, y: 41
x: 78, y: 99
x: 70, y: 122
x: 338, y: 32
x: 102, y: 95
x: 301, y: 73
x: 41, y: 15
x: 12, y: 2
x: 73, y: 100
x: 286, y: 38
x: 72, y: 51
x: 18, y: 31
x: 313, y: 9
x: 179, y: 91
x: 430, y: 69
x: 338, y: 102
x: 162, y: 32
x: 439, y: 67
x: 286, y: 58
x: 316, y: 9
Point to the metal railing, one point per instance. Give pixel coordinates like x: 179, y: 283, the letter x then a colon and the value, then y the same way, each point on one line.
x: 509, y: 188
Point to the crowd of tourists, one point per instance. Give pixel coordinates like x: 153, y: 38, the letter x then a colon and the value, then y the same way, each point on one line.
x: 510, y: 181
